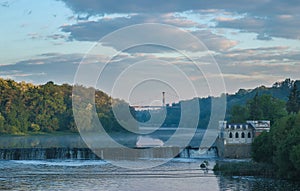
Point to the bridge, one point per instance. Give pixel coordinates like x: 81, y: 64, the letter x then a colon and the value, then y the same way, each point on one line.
x: 147, y: 107
x: 139, y: 106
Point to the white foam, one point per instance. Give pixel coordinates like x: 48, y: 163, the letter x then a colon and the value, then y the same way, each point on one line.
x: 62, y: 162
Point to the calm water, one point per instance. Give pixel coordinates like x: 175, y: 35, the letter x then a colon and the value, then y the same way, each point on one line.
x: 178, y: 174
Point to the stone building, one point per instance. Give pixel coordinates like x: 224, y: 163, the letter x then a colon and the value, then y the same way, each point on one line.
x: 234, y: 140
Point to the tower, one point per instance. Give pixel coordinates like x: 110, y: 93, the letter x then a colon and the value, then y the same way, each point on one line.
x: 164, y: 99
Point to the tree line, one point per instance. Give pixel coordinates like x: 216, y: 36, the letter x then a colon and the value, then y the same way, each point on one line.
x: 27, y: 108
x: 281, y: 146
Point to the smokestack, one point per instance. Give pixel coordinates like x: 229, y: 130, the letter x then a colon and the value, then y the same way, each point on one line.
x: 164, y: 99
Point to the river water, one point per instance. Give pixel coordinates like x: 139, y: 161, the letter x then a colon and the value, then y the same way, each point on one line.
x: 177, y: 174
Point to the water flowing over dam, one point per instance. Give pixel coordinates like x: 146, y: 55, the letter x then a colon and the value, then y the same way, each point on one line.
x: 73, y: 147
x: 103, y: 153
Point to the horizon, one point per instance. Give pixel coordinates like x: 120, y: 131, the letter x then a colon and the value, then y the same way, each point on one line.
x: 170, y: 103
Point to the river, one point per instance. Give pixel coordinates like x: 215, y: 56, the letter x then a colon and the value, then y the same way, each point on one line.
x: 177, y: 174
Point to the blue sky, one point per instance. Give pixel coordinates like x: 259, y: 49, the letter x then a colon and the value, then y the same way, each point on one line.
x: 254, y: 42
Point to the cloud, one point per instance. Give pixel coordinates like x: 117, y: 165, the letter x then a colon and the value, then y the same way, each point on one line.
x: 115, y: 6
x: 57, y: 67
x: 34, y: 36
x: 253, y: 7
x: 259, y: 63
x: 15, y: 74
x: 95, y: 30
x: 284, y: 26
x: 57, y: 36
x: 263, y: 36
x: 267, y: 18
x: 279, y: 54
x: 249, y: 23
x: 155, y: 6
x: 241, y: 68
x: 214, y: 42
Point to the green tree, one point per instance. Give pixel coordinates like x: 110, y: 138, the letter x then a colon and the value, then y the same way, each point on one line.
x: 262, y: 148
x: 281, y: 147
x: 2, y: 121
x: 295, y: 156
x: 35, y: 127
x: 26, y: 107
x: 254, y: 107
x: 260, y: 107
x: 239, y: 114
x: 283, y: 156
x: 292, y: 105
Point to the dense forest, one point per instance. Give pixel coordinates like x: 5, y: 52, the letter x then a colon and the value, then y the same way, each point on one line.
x: 280, y: 147
x: 27, y: 108
x: 260, y: 107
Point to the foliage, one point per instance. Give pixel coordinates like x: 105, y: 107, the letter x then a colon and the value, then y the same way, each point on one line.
x: 281, y: 147
x: 263, y: 148
x: 239, y: 114
x: 26, y: 108
x: 293, y: 103
x: 244, y: 169
x: 259, y: 108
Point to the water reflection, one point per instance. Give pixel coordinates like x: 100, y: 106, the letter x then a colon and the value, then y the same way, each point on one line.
x: 250, y: 183
x: 178, y: 174
x: 42, y: 141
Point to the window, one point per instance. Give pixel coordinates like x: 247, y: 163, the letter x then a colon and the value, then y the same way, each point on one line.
x: 230, y: 135
x: 249, y: 135
x: 243, y: 135
x: 236, y: 135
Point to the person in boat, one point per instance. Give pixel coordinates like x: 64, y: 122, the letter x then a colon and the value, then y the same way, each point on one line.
x: 204, y: 166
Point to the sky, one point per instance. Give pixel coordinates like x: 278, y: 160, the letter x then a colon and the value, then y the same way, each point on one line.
x: 241, y: 44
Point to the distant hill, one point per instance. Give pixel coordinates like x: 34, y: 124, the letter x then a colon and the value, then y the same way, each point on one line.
x: 279, y: 90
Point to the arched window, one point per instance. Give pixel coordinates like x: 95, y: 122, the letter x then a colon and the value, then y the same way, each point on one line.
x: 249, y: 135
x: 243, y: 135
x: 230, y: 135
x: 236, y: 135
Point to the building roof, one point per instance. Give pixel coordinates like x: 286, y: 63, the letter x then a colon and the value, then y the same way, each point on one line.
x: 261, y: 124
x: 237, y: 126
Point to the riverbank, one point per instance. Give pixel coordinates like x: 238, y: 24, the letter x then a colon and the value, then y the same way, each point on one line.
x: 244, y: 168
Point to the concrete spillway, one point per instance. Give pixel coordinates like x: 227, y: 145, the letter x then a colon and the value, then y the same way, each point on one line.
x: 101, y: 153
x: 46, y: 153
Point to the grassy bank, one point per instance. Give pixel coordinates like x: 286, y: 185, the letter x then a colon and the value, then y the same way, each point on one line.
x: 244, y: 168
